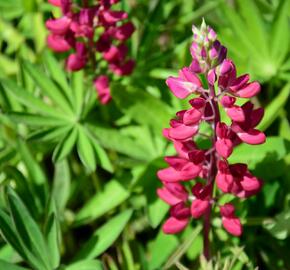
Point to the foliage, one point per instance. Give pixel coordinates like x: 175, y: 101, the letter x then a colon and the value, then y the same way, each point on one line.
x: 78, y: 179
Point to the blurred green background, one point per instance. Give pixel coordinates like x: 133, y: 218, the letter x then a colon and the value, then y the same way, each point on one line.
x: 78, y: 180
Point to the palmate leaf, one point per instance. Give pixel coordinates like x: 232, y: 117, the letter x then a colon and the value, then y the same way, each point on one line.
x: 61, y: 184
x: 27, y: 99
x: 85, y: 149
x: 27, y: 229
x: 63, y: 121
x: 280, y: 33
x: 65, y: 146
x: 53, y: 233
x: 104, y: 236
x: 48, y: 88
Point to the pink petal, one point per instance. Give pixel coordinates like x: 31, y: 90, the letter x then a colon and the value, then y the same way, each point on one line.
x: 199, y: 208
x: 224, y: 147
x: 75, y: 63
x: 124, y: 68
x: 239, y: 82
x: 165, y: 195
x: 56, y: 3
x: 253, y: 136
x: 124, y: 31
x: 169, y: 175
x: 112, y: 17
x: 249, y: 91
x: 58, y: 26
x: 182, y: 132
x: 251, y: 183
x: 236, y: 113
x: 192, y: 116
x: 176, y: 162
x: 257, y: 116
x: 180, y: 211
x: 57, y: 43
x: 233, y: 225
x: 224, y: 182
x: 228, y: 101
x: 174, y: 225
x: 101, y: 84
x: 190, y: 76
x: 227, y: 210
x: 179, y: 87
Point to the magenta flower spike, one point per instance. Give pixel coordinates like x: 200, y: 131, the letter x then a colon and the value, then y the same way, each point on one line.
x: 86, y: 31
x: 189, y: 180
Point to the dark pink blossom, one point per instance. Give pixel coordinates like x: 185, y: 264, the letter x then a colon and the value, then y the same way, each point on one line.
x: 230, y: 222
x: 202, y: 168
x: 75, y: 31
x: 103, y: 89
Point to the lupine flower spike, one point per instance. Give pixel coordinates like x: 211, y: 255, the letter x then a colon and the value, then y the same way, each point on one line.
x: 86, y: 31
x: 189, y: 180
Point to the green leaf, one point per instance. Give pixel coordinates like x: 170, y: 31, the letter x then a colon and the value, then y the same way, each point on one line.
x: 85, y: 149
x: 135, y: 102
x: 280, y: 226
x: 112, y: 196
x: 166, y: 243
x: 65, y: 146
x: 102, y: 157
x: 255, y: 25
x: 50, y: 134
x: 104, y: 236
x: 57, y: 73
x: 10, y: 266
x: 36, y: 120
x: 272, y: 110
x: 48, y: 87
x: 52, y: 232
x: 10, y: 235
x: 27, y: 228
x: 86, y: 265
x: 61, y: 184
x: 78, y: 91
x: 29, y: 100
x: 156, y: 212
x: 35, y: 171
x: 280, y: 33
x: 273, y: 149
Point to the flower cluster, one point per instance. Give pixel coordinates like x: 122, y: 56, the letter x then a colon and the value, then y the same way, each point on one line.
x: 188, y: 181
x: 85, y: 31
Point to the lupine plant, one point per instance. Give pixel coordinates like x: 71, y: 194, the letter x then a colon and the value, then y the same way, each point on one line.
x: 86, y: 30
x: 190, y: 181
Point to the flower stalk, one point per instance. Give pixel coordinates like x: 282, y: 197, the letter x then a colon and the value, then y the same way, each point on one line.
x: 190, y: 179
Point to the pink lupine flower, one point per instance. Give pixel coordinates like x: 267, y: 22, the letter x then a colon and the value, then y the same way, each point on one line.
x: 209, y: 166
x: 78, y: 60
x: 56, y: 3
x: 75, y: 31
x: 245, y: 130
x: 201, y: 203
x: 230, y: 222
x: 185, y: 84
x: 58, y: 43
x: 58, y: 26
x: 102, y: 87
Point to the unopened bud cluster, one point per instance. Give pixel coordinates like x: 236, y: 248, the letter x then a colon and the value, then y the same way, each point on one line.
x: 188, y: 182
x: 92, y: 33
